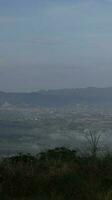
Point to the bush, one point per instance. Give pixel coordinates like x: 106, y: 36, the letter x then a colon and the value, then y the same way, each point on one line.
x: 57, y: 174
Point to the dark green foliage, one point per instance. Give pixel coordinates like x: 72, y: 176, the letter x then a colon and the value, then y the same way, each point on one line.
x: 58, y: 174
x: 58, y: 154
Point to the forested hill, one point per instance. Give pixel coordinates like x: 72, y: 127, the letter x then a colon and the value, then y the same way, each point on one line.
x: 60, y: 97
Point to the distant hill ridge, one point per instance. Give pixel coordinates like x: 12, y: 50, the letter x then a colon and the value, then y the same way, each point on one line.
x: 58, y: 97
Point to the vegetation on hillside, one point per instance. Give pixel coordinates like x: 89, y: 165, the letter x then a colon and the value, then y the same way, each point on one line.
x: 57, y: 174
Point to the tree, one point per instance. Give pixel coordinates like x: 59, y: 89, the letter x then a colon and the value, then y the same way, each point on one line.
x: 93, y: 138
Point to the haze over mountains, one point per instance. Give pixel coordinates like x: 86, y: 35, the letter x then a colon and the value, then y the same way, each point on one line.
x: 59, y: 97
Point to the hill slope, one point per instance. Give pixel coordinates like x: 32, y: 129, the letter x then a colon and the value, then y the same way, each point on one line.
x: 60, y: 97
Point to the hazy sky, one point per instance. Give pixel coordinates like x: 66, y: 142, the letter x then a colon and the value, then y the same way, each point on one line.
x: 48, y: 44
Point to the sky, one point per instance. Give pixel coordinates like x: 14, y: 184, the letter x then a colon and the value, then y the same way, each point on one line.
x: 54, y: 44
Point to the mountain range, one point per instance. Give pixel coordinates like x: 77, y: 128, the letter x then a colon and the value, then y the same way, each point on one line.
x: 59, y: 97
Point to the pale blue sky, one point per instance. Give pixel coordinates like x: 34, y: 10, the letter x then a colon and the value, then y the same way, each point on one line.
x: 46, y: 44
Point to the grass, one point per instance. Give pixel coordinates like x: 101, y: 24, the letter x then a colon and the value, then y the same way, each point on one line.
x: 58, y: 174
